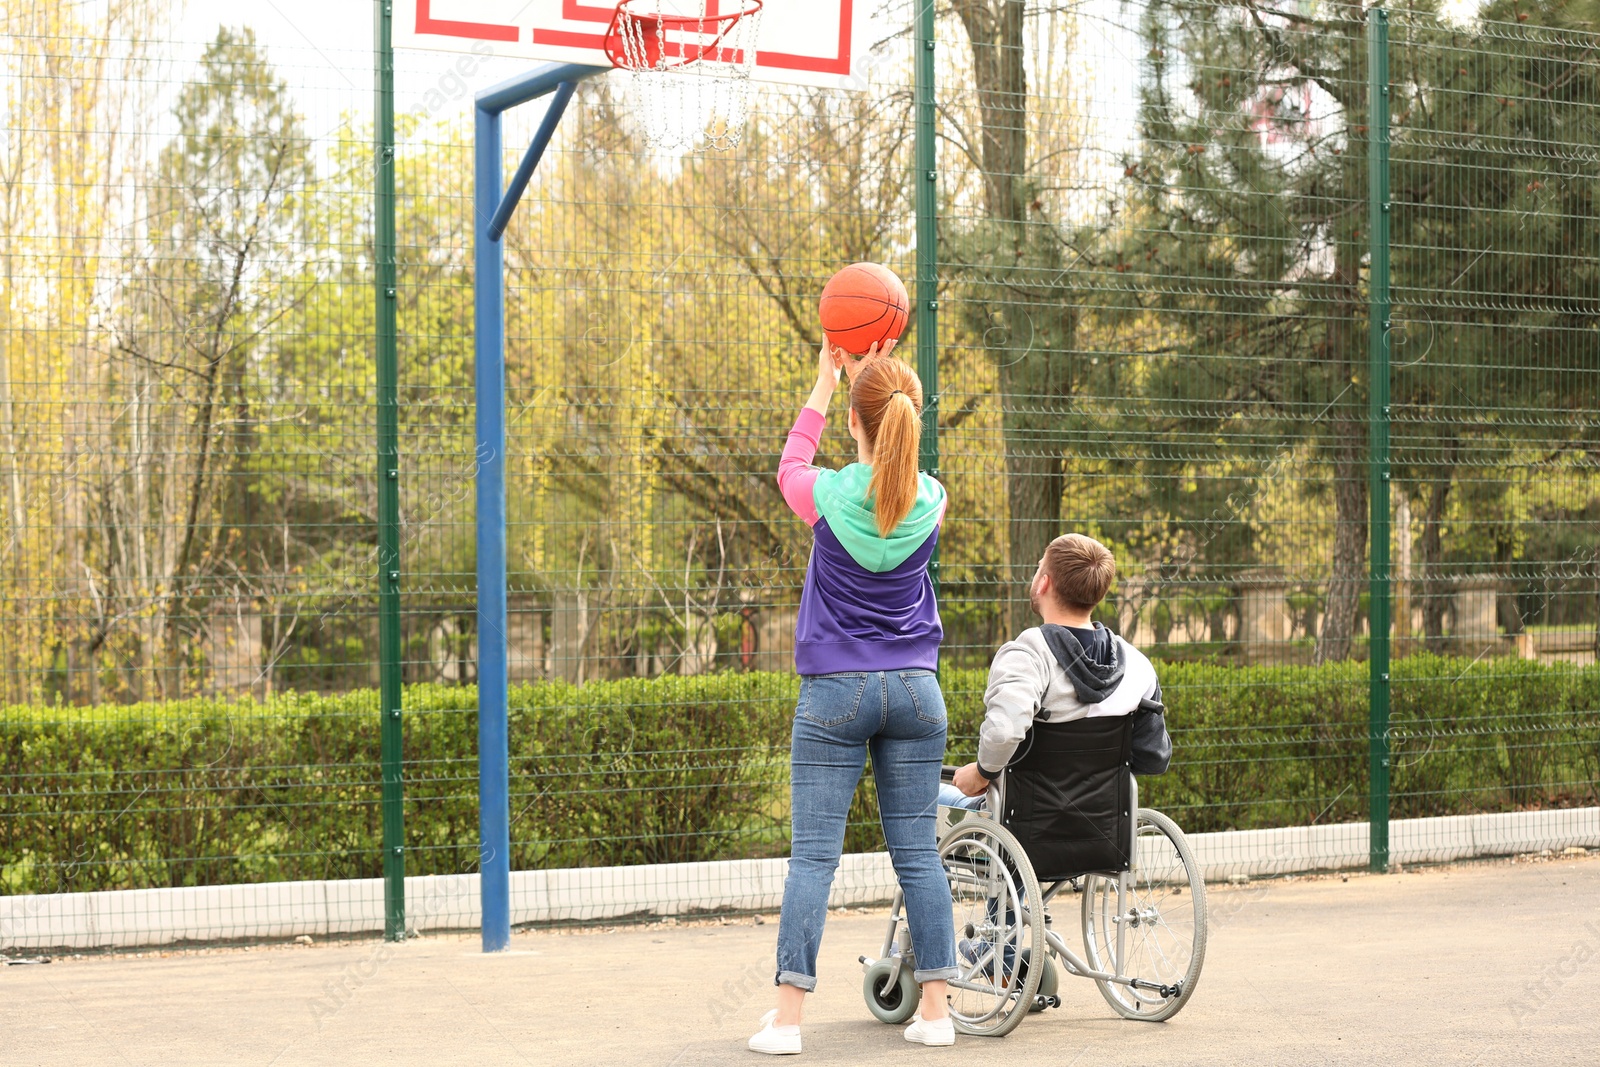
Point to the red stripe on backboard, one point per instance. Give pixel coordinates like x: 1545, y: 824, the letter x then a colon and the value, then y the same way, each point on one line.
x: 482, y: 31
x: 568, y: 38
x: 577, y: 12
x: 571, y: 9
x: 837, y: 64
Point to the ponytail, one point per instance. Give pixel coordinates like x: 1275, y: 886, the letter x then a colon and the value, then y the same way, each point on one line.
x: 887, y: 398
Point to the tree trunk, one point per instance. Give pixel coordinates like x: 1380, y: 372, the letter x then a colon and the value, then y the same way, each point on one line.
x: 1430, y: 549
x: 1034, y: 390
x: 1402, y: 585
x: 1349, y: 553
x: 994, y: 29
x: 1347, y: 427
x: 1507, y: 605
x: 1034, y: 380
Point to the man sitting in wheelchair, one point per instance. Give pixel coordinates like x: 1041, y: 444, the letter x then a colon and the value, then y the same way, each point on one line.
x: 1072, y: 715
x: 1070, y: 667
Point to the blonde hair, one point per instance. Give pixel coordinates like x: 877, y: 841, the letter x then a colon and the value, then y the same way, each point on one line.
x: 887, y: 398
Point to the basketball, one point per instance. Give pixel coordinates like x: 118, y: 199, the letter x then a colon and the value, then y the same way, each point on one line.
x: 862, y: 304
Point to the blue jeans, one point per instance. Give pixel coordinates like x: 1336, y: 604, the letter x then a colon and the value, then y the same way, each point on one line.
x: 951, y: 797
x: 899, y: 717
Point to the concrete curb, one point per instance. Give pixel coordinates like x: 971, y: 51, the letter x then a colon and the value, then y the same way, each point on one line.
x: 129, y: 918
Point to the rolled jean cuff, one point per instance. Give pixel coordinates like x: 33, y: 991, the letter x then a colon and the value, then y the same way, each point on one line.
x: 936, y: 974
x: 807, y: 983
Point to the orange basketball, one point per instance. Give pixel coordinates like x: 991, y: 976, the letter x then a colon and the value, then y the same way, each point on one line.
x: 862, y: 304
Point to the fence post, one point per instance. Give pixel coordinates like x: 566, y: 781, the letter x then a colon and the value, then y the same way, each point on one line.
x: 390, y: 730
x: 927, y: 255
x: 1378, y: 433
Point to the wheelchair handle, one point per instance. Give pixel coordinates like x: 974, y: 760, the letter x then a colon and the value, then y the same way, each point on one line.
x: 947, y: 774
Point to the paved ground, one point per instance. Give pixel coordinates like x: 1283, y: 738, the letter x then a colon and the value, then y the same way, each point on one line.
x: 1473, y: 965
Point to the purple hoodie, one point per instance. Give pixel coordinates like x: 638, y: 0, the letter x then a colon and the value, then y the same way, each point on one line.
x: 868, y: 602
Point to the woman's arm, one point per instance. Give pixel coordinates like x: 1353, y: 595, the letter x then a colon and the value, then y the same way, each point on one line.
x: 829, y: 364
x: 796, y: 475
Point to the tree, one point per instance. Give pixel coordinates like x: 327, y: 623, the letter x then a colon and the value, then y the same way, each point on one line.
x: 1017, y: 295
x: 75, y: 84
x: 215, y: 273
x: 1494, y: 220
x: 1253, y: 176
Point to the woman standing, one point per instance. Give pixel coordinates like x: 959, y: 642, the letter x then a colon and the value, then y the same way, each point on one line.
x: 866, y: 645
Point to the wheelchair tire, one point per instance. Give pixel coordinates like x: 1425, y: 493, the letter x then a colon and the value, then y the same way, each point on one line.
x: 1163, y: 921
x: 896, y: 1003
x: 990, y: 876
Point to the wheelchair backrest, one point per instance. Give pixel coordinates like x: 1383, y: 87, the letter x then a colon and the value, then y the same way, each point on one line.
x: 1068, y: 796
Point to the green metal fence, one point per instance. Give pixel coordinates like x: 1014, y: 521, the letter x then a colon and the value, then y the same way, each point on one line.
x: 1341, y: 437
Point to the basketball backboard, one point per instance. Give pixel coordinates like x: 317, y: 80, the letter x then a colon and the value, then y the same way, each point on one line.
x: 802, y: 42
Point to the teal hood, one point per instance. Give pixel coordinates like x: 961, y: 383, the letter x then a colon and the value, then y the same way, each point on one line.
x: 841, y: 499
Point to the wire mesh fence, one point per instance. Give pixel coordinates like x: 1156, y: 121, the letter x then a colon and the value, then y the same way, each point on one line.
x: 1496, y: 384
x: 1155, y: 250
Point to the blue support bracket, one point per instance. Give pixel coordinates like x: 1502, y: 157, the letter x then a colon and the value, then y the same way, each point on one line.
x: 530, y: 159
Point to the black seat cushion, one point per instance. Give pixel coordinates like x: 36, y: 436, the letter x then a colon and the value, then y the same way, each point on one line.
x: 1067, y: 795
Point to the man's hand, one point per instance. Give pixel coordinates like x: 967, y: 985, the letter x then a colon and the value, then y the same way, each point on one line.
x: 970, y: 781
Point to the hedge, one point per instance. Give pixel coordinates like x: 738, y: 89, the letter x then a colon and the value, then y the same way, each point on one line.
x: 658, y: 770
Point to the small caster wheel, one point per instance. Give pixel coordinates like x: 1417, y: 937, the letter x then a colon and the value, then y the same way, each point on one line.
x: 1049, y: 983
x: 897, y: 1003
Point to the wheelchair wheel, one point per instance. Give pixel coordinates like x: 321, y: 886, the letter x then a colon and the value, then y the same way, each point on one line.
x: 895, y: 1003
x: 1155, y: 930
x: 991, y: 885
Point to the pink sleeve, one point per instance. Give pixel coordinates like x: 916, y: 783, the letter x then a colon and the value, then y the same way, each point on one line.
x: 796, y: 475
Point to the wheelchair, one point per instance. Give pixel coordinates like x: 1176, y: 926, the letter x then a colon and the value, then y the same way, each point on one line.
x: 1064, y: 813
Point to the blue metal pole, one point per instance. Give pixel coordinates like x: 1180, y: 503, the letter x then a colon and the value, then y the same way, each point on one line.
x: 535, y: 83
x: 490, y: 216
x: 489, y: 384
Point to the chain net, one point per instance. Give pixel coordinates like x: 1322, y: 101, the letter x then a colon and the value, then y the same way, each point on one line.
x: 687, y: 70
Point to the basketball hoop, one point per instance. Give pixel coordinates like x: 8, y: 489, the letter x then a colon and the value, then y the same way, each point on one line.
x: 688, y: 68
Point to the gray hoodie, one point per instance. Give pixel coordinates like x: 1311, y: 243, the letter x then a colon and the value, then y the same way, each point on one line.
x: 1045, y: 674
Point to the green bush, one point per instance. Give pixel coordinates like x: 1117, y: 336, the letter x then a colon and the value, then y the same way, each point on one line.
x: 671, y: 769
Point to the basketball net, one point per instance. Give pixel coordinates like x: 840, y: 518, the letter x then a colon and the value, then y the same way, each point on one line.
x: 688, y: 71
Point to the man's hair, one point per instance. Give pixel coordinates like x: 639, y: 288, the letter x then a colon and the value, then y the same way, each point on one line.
x: 1081, y: 570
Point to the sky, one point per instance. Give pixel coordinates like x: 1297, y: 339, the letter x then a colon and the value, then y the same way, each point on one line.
x: 323, y: 49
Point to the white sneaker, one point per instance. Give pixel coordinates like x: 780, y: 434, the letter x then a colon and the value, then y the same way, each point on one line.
x: 936, y: 1032
x: 776, y: 1040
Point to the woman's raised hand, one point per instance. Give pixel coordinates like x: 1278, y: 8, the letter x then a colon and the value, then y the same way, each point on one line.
x: 853, y: 367
x: 829, y: 362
